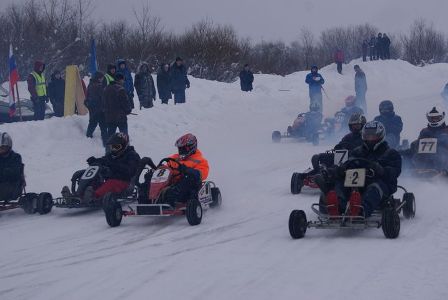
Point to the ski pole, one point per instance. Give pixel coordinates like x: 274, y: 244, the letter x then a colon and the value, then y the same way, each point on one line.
x: 325, y: 93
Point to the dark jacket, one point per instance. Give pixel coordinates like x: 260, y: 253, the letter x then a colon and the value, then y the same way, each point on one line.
x: 32, y: 81
x: 179, y: 79
x: 433, y: 132
x: 350, y: 141
x: 128, y: 82
x: 246, y: 80
x: 116, y: 104
x: 164, y: 84
x: 11, y: 167
x: 144, y: 85
x: 393, y: 125
x: 94, y: 98
x: 123, y: 167
x: 315, y: 86
x: 360, y: 82
x: 56, y: 93
x: 387, y: 157
x: 386, y: 42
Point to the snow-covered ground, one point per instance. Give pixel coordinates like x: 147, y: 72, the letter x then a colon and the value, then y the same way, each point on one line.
x: 242, y: 251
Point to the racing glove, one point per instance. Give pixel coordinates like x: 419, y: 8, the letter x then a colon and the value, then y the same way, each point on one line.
x: 340, y: 171
x: 91, y: 160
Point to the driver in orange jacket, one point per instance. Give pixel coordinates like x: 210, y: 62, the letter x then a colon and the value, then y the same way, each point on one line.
x: 192, y: 167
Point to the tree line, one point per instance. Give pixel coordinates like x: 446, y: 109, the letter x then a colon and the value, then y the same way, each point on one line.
x: 59, y: 33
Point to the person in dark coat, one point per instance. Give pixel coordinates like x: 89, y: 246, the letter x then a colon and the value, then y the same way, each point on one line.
x: 386, y: 46
x: 360, y: 88
x: 116, y: 106
x: 110, y: 74
x: 56, y: 93
x: 94, y: 102
x: 164, y: 83
x: 339, y: 59
x: 365, y: 49
x: 179, y: 80
x: 444, y: 95
x: 384, y: 169
x: 11, y: 170
x: 315, y: 82
x: 144, y: 85
x: 391, y: 121
x: 246, y: 79
x: 122, y: 68
x: 379, y: 49
x: 372, y: 45
x: 37, y: 87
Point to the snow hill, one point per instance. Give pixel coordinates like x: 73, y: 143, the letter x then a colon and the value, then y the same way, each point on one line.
x: 244, y: 250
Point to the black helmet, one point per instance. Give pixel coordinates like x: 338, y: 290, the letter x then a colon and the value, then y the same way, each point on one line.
x: 118, y: 143
x: 5, y: 143
x: 356, y: 122
x: 373, y: 134
x: 386, y: 107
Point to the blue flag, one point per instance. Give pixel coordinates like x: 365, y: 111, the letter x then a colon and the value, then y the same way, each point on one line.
x: 93, y: 63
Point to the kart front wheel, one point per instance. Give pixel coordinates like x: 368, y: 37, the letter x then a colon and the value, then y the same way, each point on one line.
x: 297, y: 224
x: 112, y: 210
x: 44, y: 203
x: 276, y: 136
x: 409, y: 205
x: 296, y: 183
x: 216, y: 198
x: 194, y: 212
x: 390, y: 223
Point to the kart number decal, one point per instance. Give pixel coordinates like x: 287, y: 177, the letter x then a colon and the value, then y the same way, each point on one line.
x: 90, y: 172
x: 427, y: 146
x: 355, y: 178
x: 340, y: 157
x: 161, y: 175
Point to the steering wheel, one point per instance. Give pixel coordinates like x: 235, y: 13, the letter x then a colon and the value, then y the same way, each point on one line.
x: 357, y: 163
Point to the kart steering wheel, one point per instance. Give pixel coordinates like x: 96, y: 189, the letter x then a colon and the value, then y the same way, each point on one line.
x: 357, y: 163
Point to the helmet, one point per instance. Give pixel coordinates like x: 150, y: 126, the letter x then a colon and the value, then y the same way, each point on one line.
x: 187, y: 145
x: 118, y: 143
x: 386, y: 107
x: 356, y: 122
x: 373, y: 134
x: 314, y: 106
x: 350, y: 101
x: 5, y: 143
x: 436, y: 117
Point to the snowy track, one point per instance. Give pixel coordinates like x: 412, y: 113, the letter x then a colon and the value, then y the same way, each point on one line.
x: 243, y: 250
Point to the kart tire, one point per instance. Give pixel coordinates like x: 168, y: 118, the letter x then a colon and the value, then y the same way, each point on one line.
x: 409, y: 205
x: 216, y: 198
x: 297, y: 224
x: 112, y: 210
x: 315, y: 139
x: 194, y: 212
x: 323, y: 204
x: 44, y: 203
x: 28, y: 203
x: 390, y: 223
x: 296, y: 183
x: 276, y: 136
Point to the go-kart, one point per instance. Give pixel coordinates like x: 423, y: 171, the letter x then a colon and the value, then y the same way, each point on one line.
x: 307, y: 178
x: 386, y: 216
x: 300, y: 130
x: 335, y: 127
x: 84, y: 183
x: 161, y: 178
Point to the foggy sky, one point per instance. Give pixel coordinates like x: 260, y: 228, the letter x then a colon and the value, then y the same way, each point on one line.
x: 280, y: 19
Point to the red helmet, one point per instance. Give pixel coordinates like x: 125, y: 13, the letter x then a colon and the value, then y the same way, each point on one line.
x: 350, y: 101
x: 187, y: 145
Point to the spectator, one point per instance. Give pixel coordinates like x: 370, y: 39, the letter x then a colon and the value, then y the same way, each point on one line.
x: 56, y: 93
x: 372, y: 45
x: 164, y: 83
x: 360, y: 88
x: 365, y: 48
x: 144, y: 85
x: 37, y: 86
x: 339, y: 59
x: 246, y: 79
x: 110, y: 74
x: 179, y: 80
x: 445, y: 95
x: 315, y: 81
x: 386, y: 46
x: 116, y: 106
x: 379, y: 47
x: 122, y: 68
x: 94, y: 102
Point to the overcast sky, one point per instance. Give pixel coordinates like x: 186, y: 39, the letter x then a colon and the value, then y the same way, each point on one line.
x: 280, y: 19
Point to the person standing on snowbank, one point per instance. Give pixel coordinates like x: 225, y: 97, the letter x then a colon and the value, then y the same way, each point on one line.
x: 164, y: 83
x: 179, y: 80
x: 315, y: 81
x: 365, y: 48
x: 444, y: 95
x: 360, y: 88
x: 144, y: 85
x: 339, y: 59
x: 37, y: 86
x: 122, y: 68
x: 56, y: 93
x: 246, y: 79
x: 116, y: 106
x: 94, y: 102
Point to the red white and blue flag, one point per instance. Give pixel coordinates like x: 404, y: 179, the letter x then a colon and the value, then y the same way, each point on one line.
x: 13, y: 79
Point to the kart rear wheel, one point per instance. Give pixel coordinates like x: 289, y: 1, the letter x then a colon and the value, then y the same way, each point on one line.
x: 297, y: 224
x: 112, y: 210
x: 194, y: 212
x: 409, y: 205
x: 44, y: 203
x: 276, y: 136
x: 28, y: 203
x: 390, y: 223
x: 296, y: 183
x: 216, y: 198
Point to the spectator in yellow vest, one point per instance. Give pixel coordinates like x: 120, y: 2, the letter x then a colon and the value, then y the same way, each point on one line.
x: 37, y: 87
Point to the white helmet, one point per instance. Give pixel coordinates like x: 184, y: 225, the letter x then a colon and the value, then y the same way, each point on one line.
x: 436, y: 117
x: 5, y: 140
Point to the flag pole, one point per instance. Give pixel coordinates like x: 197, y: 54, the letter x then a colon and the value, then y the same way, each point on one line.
x: 18, y: 102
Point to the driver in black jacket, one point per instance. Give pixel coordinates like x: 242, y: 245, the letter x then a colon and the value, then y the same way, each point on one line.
x: 383, y: 170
